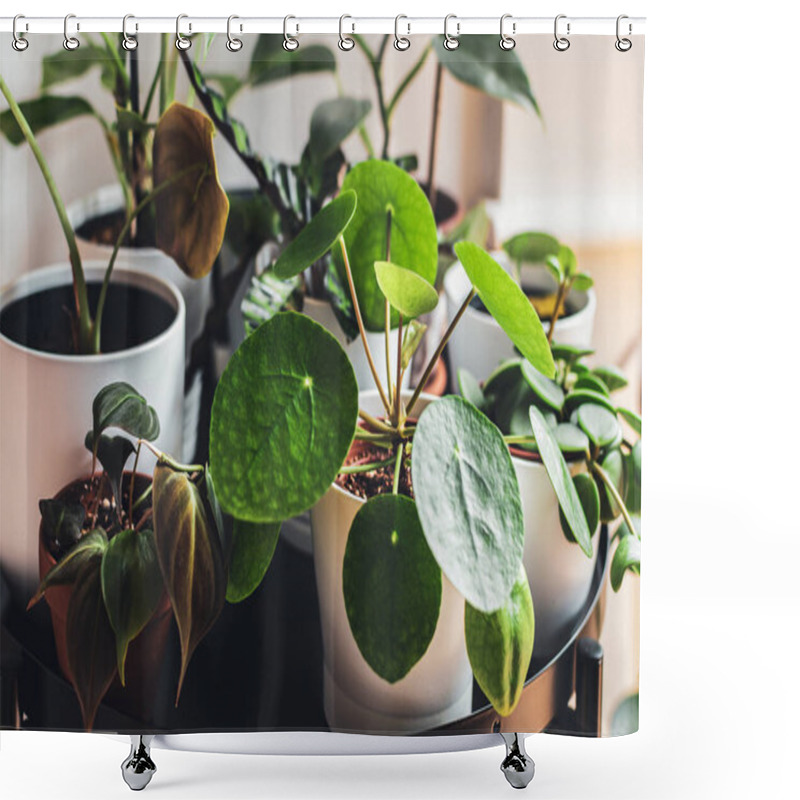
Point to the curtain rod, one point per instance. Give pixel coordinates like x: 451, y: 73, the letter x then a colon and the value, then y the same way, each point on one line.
x: 408, y: 26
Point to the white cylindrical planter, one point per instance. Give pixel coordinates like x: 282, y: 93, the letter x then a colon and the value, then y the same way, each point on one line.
x: 559, y: 572
x: 46, y: 408
x: 437, y: 690
x: 479, y: 343
x: 152, y: 261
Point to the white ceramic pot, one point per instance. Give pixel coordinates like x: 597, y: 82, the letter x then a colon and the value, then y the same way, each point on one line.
x: 479, y: 343
x: 46, y: 408
x: 152, y: 261
x: 438, y: 689
x: 559, y: 572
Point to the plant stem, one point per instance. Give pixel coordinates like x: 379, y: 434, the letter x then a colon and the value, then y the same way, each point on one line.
x: 148, y: 103
x: 374, y: 422
x: 435, y: 357
x: 398, y: 399
x: 563, y: 289
x: 377, y: 71
x: 143, y: 496
x: 166, y: 90
x: 361, y: 328
x: 614, y: 492
x: 169, y: 461
x: 437, y: 104
x: 78, y: 279
x: 519, y: 439
x: 398, y: 468
x: 133, y: 479
x: 355, y: 469
x: 387, y: 317
x: 406, y: 82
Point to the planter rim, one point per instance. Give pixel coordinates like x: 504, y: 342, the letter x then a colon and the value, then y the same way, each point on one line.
x: 57, y: 275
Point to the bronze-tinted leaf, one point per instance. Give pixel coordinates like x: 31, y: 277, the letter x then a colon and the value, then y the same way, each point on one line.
x: 192, y: 212
x: 190, y: 555
x: 91, y: 648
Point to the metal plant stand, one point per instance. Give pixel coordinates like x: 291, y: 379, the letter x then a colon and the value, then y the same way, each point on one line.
x: 138, y: 768
x: 517, y: 766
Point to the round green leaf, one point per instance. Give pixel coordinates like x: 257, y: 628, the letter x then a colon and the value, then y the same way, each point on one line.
x: 384, y: 190
x: 632, y: 418
x: 591, y: 382
x: 580, y: 397
x: 500, y: 646
x: 317, y: 237
x: 251, y: 554
x: 132, y: 587
x: 590, y: 503
x: 598, y: 423
x: 470, y: 389
x: 571, y: 439
x: 633, y: 479
x: 627, y: 556
x: 468, y: 500
x: 392, y: 585
x: 582, y: 282
x: 611, y: 376
x: 283, y: 418
x: 406, y: 291
x: 546, y: 389
x: 560, y: 478
x: 569, y: 353
x: 509, y: 306
x: 332, y: 122
x: 613, y: 466
x: 531, y: 248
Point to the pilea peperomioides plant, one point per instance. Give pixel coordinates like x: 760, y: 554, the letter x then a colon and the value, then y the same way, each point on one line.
x: 572, y: 424
x: 286, y: 419
x: 125, y: 543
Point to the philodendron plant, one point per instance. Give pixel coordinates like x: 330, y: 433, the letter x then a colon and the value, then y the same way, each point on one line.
x: 286, y: 416
x: 124, y: 540
x: 571, y: 423
x: 191, y: 208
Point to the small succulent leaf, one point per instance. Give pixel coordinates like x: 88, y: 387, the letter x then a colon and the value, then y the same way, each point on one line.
x: 531, y: 248
x: 270, y: 62
x: 582, y: 282
x: 252, y: 550
x: 500, y: 646
x: 62, y: 523
x: 569, y: 353
x: 470, y: 389
x: 392, y: 585
x: 413, y: 334
x: 477, y: 62
x: 579, y: 397
x: 132, y: 587
x: 43, y: 113
x: 192, y: 210
x: 632, y: 418
x: 91, y: 645
x: 613, y: 466
x: 591, y: 382
x: 190, y: 556
x: 627, y: 558
x: 468, y: 500
x: 119, y: 405
x: 384, y: 190
x: 633, y: 479
x: 557, y: 470
x: 571, y: 439
x: 546, y: 389
x: 113, y: 453
x: 332, y: 122
x: 567, y: 260
x: 590, y: 503
x: 623, y: 529
x: 406, y: 291
x: 317, y: 237
x: 91, y: 545
x: 599, y: 424
x: 611, y: 376
x: 509, y: 306
x: 283, y: 418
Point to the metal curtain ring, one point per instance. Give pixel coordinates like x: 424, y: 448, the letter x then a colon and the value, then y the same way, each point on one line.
x: 623, y: 45
x: 561, y: 43
x: 451, y: 42
x: 507, y: 42
x: 401, y: 42
x: 70, y: 42
x: 233, y: 44
x: 129, y: 42
x: 290, y: 43
x: 345, y: 42
x: 181, y: 42
x: 19, y: 43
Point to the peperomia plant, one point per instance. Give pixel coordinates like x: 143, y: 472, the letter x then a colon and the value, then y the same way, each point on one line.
x: 123, y: 541
x: 572, y: 424
x: 192, y: 208
x: 286, y: 424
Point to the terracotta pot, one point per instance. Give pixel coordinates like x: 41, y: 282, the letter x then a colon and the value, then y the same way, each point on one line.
x: 437, y: 383
x: 145, y: 661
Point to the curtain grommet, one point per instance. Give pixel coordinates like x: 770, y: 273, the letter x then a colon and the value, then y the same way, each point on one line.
x: 234, y: 44
x: 451, y: 42
x: 507, y: 42
x: 561, y: 43
x: 401, y: 43
x: 623, y: 44
x: 182, y: 42
x: 290, y: 43
x: 129, y: 42
x: 19, y: 42
x: 71, y: 42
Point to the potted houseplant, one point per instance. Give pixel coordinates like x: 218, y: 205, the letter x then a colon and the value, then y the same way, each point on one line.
x: 435, y: 528
x: 65, y: 330
x: 577, y: 455
x: 119, y: 550
x: 548, y: 273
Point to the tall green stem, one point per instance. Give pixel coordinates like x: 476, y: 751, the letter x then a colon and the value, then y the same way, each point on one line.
x: 406, y: 82
x: 437, y: 105
x: 614, y: 492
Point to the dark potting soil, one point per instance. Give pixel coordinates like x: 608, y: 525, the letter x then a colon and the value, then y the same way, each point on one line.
x: 570, y: 306
x: 41, y: 321
x: 378, y: 481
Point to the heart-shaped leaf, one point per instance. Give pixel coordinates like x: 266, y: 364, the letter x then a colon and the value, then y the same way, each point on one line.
x: 283, y: 418
x: 272, y: 62
x: 633, y: 479
x: 119, y: 405
x: 531, y: 248
x: 627, y: 557
x: 317, y: 237
x: 61, y: 523
x: 392, y: 585
x: 91, y: 545
x: 599, y: 424
x: 590, y: 503
x: 132, y: 587
x: 499, y: 73
x: 332, y: 122
x: 468, y: 500
x: 191, y: 207
x: 557, y: 470
x: 251, y: 554
x: 500, y: 646
x: 190, y: 556
x: 611, y: 377
x: 113, y: 453
x: 42, y: 113
x: 509, y: 306
x: 613, y: 466
x: 546, y: 389
x: 91, y: 647
x: 632, y: 418
x: 386, y: 192
x: 406, y: 291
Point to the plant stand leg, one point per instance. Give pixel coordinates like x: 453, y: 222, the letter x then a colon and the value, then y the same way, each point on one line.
x: 517, y: 766
x: 138, y: 768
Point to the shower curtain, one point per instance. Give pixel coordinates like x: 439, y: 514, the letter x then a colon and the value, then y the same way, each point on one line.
x: 320, y: 379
